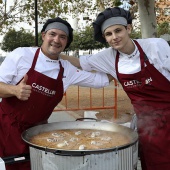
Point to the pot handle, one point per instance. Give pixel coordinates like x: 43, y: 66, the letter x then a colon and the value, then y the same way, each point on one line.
x: 69, y: 153
x: 89, y: 118
x: 16, y: 158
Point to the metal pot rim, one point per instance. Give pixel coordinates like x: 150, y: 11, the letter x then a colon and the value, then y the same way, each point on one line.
x: 26, y: 135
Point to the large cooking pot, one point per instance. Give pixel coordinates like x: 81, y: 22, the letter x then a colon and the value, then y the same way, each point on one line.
x: 123, y: 157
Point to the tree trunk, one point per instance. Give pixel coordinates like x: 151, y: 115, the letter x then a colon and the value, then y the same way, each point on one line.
x: 147, y: 18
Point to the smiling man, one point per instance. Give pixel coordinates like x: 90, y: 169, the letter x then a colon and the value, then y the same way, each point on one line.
x: 32, y: 82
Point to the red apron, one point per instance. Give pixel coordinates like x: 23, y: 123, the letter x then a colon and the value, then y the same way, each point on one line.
x: 16, y: 116
x: 149, y: 92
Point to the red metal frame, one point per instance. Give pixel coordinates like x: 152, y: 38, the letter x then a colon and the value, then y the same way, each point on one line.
x: 114, y: 106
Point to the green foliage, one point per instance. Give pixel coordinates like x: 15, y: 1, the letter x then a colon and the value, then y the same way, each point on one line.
x: 117, y: 3
x: 84, y: 40
x: 76, y: 42
x: 163, y: 28
x: 14, y: 39
x: 135, y: 34
x: 87, y: 40
x: 39, y: 39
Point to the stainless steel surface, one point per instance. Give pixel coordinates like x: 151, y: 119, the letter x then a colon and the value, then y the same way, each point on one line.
x: 125, y: 159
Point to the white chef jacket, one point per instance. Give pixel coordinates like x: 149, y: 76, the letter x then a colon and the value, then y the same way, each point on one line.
x: 156, y: 49
x: 19, y: 61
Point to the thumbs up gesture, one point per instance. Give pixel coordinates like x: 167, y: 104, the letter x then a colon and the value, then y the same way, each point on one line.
x: 23, y: 90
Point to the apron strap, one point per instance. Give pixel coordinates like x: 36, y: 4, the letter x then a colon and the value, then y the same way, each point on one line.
x: 35, y: 58
x: 143, y: 58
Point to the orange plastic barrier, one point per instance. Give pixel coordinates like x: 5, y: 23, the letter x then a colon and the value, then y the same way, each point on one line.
x: 86, y: 99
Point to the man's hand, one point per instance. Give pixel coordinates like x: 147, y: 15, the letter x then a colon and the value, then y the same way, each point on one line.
x: 73, y: 60
x: 23, y: 91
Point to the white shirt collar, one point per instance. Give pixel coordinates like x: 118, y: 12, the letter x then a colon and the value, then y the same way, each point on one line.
x: 130, y: 56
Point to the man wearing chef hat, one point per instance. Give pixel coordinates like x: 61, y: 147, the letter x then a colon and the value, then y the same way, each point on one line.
x: 32, y: 82
x: 142, y: 67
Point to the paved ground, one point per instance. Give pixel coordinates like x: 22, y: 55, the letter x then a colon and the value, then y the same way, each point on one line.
x: 70, y: 116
